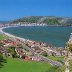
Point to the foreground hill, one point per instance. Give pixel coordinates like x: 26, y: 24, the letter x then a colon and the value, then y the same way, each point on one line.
x: 16, y: 65
x: 49, y: 20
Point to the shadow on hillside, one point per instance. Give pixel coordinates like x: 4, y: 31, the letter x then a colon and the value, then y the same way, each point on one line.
x: 2, y: 63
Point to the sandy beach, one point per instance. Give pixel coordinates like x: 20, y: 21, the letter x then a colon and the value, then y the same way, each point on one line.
x: 20, y: 38
x: 13, y: 36
x: 16, y: 37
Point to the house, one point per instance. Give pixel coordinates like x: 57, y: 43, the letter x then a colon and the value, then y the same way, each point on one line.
x: 36, y: 58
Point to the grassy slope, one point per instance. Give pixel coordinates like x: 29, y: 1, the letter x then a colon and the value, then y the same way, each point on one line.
x: 14, y: 65
x: 70, y: 66
x: 56, y: 58
x: 2, y: 37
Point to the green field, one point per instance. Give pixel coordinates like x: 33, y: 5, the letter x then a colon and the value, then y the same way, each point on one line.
x: 56, y: 58
x: 2, y: 37
x: 15, y: 65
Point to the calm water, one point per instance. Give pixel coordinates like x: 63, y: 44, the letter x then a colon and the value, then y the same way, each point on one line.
x: 51, y: 35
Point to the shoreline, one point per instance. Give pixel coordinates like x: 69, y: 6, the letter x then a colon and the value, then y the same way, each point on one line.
x: 14, y: 37
x: 17, y: 37
x: 35, y: 24
x: 52, y: 62
x: 20, y: 38
x: 10, y: 35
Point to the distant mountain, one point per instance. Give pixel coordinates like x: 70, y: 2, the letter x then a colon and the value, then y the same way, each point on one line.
x: 49, y: 20
x: 4, y: 22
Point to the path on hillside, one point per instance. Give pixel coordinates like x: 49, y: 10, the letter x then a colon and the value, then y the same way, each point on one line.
x: 52, y: 62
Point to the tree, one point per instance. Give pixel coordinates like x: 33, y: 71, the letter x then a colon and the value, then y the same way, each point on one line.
x: 45, y: 54
x: 12, y: 51
x: 68, y: 48
x: 1, y: 60
x: 69, y: 45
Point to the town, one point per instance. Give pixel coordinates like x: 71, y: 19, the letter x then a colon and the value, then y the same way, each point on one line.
x: 29, y: 50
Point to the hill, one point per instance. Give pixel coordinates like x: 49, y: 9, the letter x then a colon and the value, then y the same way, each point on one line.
x: 49, y: 20
x: 4, y: 22
x: 16, y: 65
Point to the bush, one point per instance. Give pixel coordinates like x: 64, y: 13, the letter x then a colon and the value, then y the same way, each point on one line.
x: 45, y: 54
x: 1, y: 57
x: 2, y: 60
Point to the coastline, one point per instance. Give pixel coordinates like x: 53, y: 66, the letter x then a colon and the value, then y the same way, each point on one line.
x: 17, y: 37
x: 13, y: 36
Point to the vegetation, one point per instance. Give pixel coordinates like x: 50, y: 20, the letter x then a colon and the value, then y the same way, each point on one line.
x: 15, y: 65
x: 57, y: 69
x: 57, y: 58
x: 1, y: 55
x: 45, y: 19
x: 51, y: 21
x: 2, y: 37
x: 32, y: 19
x: 12, y: 51
x: 2, y: 60
x: 70, y: 67
x: 45, y: 54
x: 69, y: 46
x: 62, y: 68
x: 69, y: 49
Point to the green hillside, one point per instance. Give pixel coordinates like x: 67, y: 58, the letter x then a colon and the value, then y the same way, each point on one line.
x: 49, y: 20
x: 15, y: 65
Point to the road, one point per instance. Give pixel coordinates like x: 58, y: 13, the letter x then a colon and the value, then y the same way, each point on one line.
x: 52, y: 62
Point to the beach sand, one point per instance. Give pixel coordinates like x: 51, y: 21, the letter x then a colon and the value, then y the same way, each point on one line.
x: 13, y: 36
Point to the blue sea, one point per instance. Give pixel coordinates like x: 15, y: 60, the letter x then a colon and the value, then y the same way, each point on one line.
x: 54, y: 35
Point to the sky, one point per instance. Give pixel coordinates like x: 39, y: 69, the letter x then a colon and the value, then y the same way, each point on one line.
x: 13, y: 9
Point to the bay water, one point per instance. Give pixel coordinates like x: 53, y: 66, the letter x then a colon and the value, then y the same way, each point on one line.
x: 54, y: 35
